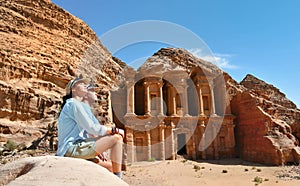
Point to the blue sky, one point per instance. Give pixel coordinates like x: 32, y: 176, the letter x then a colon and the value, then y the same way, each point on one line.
x: 258, y: 37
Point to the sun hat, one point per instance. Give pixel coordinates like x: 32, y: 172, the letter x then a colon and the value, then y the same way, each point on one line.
x: 73, y: 82
x: 91, y: 87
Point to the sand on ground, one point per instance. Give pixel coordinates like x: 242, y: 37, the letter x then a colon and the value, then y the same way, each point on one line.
x: 232, y: 172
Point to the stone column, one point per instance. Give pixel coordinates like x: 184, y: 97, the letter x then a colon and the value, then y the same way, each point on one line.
x: 130, y: 97
x: 130, y: 144
x: 175, y: 136
x: 202, y: 130
x: 185, y: 101
x: 162, y: 141
x: 201, y: 110
x: 148, y: 144
x: 231, y: 135
x: 173, y: 153
x: 173, y: 101
x: 213, y: 109
x: 147, y: 96
x: 161, y: 101
x: 215, y: 143
x: 193, y: 147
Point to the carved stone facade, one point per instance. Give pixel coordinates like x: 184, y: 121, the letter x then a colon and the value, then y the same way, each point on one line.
x: 174, y: 113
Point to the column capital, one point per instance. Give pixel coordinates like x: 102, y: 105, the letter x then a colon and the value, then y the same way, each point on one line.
x: 160, y: 84
x: 211, y: 83
x: 202, y: 124
x: 162, y: 125
x: 130, y: 83
x: 146, y: 83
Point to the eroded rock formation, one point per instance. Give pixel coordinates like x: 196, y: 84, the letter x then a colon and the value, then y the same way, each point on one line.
x: 42, y: 47
x: 267, y: 124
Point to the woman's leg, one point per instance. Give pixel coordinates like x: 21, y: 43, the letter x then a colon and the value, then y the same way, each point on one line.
x: 106, y: 164
x: 113, y: 142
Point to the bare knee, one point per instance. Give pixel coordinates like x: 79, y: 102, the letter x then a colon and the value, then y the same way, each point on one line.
x: 118, y: 137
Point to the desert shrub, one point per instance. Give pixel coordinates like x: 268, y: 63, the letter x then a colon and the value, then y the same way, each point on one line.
x: 10, y: 145
x: 152, y: 159
x: 258, y: 179
x: 183, y: 161
x: 196, y: 167
x: 30, y: 152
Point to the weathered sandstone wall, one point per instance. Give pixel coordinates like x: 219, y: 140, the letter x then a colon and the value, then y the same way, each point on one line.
x: 42, y: 47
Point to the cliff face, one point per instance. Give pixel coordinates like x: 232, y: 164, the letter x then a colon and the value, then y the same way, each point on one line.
x: 267, y: 91
x: 267, y: 123
x: 274, y: 102
x: 42, y: 47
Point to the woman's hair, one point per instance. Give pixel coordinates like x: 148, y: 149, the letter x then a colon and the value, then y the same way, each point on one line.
x: 65, y: 98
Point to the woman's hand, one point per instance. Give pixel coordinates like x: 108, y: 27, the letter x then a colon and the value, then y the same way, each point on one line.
x: 102, y: 157
x: 115, y: 130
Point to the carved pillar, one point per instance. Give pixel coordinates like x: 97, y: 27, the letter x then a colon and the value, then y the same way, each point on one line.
x: 130, y: 145
x: 193, y: 146
x: 173, y: 141
x: 231, y: 135
x: 162, y: 141
x: 201, y: 110
x: 161, y: 99
x: 213, y: 109
x: 185, y: 101
x: 175, y: 137
x: 173, y: 93
x: 148, y: 144
x: 147, y: 96
x: 130, y: 97
x: 215, y: 143
x: 202, y: 141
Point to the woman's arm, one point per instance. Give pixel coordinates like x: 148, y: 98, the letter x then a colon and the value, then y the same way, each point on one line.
x: 84, y: 121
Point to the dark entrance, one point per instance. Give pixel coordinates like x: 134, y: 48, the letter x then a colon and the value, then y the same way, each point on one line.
x: 181, y: 141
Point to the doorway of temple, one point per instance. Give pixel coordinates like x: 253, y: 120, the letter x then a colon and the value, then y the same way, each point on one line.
x: 181, y: 144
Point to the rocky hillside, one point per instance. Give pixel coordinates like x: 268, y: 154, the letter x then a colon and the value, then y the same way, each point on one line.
x: 274, y: 102
x: 176, y: 58
x: 267, y: 91
x: 267, y: 123
x: 42, y: 47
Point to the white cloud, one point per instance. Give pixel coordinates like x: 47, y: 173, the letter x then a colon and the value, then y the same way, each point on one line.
x: 221, y: 60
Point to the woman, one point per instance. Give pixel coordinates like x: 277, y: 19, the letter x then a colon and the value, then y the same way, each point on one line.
x: 73, y: 121
x: 89, y: 101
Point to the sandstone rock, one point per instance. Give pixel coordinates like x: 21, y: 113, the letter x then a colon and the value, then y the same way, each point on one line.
x: 52, y: 170
x: 42, y: 48
x: 267, y: 91
x: 267, y: 123
x: 167, y: 59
